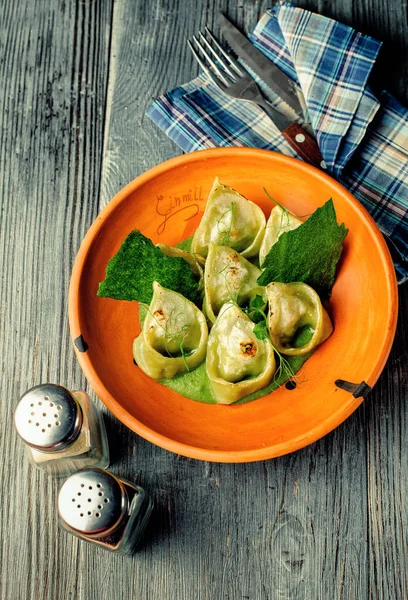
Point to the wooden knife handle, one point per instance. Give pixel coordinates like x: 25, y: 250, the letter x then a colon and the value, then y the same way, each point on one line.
x: 304, y: 144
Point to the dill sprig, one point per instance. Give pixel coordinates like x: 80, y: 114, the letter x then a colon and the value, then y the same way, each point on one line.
x: 232, y: 293
x: 285, y: 210
x: 284, y: 368
x: 225, y: 234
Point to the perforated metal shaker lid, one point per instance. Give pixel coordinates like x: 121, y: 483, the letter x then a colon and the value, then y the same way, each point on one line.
x: 92, y: 501
x: 48, y: 418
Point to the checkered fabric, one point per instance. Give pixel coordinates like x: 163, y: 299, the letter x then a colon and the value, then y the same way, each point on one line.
x: 363, y: 138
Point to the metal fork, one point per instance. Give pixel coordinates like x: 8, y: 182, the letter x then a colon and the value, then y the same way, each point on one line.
x: 231, y: 78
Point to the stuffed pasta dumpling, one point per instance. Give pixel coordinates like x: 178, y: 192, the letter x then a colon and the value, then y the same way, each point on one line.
x: 238, y: 363
x: 174, y: 335
x: 228, y: 276
x: 297, y: 321
x: 229, y: 220
x: 279, y: 221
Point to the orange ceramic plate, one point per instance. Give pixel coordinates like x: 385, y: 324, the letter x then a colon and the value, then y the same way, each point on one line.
x: 166, y: 204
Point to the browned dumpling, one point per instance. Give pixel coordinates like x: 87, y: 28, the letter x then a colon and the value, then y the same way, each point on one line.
x: 174, y: 335
x: 228, y: 276
x: 229, y: 220
x: 238, y: 363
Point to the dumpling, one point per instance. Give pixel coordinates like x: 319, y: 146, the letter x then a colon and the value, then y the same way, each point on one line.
x: 297, y: 321
x: 174, y: 335
x: 238, y: 363
x: 228, y: 276
x: 279, y: 221
x: 229, y: 220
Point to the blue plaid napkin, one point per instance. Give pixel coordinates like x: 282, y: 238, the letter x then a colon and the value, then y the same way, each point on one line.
x: 363, y: 138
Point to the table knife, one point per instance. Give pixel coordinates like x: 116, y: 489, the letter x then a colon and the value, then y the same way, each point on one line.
x: 266, y: 70
x: 298, y: 137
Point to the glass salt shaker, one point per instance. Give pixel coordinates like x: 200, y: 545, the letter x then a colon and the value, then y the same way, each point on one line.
x: 63, y: 431
x: 102, y: 509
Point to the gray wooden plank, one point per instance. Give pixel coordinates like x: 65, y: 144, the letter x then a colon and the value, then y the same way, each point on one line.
x: 53, y: 65
x: 387, y: 432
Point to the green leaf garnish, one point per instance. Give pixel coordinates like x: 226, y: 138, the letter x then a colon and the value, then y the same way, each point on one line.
x: 256, y: 309
x: 131, y: 272
x: 257, y: 302
x: 261, y: 330
x: 257, y: 316
x: 309, y: 253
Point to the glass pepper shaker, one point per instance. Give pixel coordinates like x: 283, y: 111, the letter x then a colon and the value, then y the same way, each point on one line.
x: 63, y: 431
x: 102, y: 509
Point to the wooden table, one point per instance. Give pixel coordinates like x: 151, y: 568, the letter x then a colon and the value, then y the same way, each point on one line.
x: 327, y: 522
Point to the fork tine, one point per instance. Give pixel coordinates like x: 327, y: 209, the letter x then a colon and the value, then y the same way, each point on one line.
x: 198, y: 59
x: 217, y: 56
x: 210, y: 60
x: 234, y: 64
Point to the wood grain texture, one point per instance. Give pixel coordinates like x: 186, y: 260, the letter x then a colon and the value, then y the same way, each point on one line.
x: 54, y: 68
x: 387, y: 439
x: 326, y: 522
